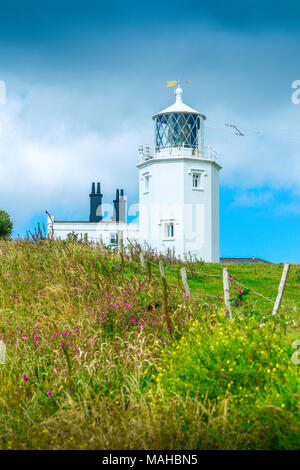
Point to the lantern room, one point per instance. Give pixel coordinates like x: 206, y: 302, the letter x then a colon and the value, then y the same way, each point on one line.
x: 179, y: 126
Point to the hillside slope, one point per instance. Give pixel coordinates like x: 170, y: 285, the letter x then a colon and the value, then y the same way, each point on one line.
x: 102, y: 354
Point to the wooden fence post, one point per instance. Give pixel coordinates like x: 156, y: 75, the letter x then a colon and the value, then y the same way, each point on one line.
x: 185, y: 282
x: 161, y: 268
x: 142, y: 259
x: 120, y: 241
x: 226, y: 292
x: 2, y: 352
x: 281, y: 288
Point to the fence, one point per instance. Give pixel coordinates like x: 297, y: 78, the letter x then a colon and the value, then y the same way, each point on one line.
x: 226, y: 280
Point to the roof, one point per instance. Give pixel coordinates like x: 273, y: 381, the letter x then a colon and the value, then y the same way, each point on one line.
x: 244, y: 260
x: 88, y: 222
x: 179, y: 106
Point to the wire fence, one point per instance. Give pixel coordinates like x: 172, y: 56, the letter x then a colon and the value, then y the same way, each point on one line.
x: 233, y: 280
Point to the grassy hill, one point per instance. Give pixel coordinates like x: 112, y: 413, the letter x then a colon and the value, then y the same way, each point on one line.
x: 101, y: 354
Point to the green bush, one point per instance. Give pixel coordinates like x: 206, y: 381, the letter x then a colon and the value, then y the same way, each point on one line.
x: 6, y: 225
x: 246, y: 365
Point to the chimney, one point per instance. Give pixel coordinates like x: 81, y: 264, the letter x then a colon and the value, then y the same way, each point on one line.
x: 123, y: 207
x: 120, y: 207
x: 116, y: 201
x: 96, y: 204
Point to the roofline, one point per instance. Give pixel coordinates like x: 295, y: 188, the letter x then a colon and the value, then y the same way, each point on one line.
x: 88, y: 222
x: 243, y: 260
x: 176, y: 159
x: 179, y: 112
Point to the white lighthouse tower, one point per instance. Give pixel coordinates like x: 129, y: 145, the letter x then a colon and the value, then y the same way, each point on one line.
x: 179, y: 186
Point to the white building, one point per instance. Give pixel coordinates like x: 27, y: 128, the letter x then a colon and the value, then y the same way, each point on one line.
x: 178, y: 192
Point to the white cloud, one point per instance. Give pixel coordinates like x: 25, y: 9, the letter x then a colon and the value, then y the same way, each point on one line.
x: 292, y: 207
x: 50, y: 153
x: 268, y: 154
x: 253, y: 199
x: 52, y: 168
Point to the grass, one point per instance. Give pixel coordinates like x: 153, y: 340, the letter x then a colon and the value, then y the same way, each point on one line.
x: 99, y: 356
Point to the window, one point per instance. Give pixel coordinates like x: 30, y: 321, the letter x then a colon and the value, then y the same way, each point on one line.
x: 169, y: 230
x: 146, y: 183
x: 113, y: 238
x: 197, y: 180
x: 176, y: 130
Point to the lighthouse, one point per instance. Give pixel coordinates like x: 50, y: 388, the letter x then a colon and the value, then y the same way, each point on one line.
x: 179, y: 186
x: 178, y: 193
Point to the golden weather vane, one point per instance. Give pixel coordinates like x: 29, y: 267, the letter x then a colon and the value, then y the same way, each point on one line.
x: 177, y: 82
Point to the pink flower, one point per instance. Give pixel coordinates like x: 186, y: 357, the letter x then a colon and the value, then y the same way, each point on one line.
x: 25, y: 378
x: 50, y: 392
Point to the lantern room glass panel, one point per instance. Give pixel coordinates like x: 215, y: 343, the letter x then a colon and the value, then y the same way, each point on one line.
x: 177, y: 130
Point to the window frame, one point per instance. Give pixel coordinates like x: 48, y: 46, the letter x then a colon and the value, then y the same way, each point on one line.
x: 116, y: 238
x: 200, y: 174
x: 197, y: 180
x: 146, y: 182
x: 166, y: 227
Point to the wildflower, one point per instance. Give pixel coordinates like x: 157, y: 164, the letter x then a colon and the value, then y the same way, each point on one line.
x: 25, y: 378
x: 50, y: 392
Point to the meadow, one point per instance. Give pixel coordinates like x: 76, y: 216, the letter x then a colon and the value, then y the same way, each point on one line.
x: 102, y: 353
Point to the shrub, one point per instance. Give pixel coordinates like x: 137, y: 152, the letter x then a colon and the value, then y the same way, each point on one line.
x: 248, y: 366
x: 6, y: 225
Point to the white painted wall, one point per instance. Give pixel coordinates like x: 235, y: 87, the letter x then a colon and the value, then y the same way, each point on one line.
x: 171, y: 196
x: 95, y: 230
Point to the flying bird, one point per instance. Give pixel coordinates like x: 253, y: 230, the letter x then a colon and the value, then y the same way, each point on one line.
x: 238, y: 132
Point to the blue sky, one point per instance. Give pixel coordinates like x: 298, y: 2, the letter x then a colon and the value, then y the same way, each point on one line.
x: 83, y: 80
